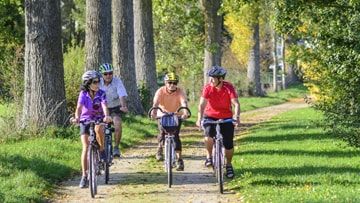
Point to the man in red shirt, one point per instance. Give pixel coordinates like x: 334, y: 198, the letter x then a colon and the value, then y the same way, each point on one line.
x: 216, y: 103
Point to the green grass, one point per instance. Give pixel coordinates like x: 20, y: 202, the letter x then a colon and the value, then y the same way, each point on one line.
x: 291, y: 159
x: 30, y: 168
x: 250, y: 103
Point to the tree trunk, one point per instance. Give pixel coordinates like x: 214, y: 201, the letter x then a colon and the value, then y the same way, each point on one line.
x: 106, y: 30
x: 144, y: 47
x: 98, y: 37
x: 276, y: 63
x: 44, y: 94
x: 212, y: 33
x: 283, y: 67
x: 253, y: 72
x: 123, y: 52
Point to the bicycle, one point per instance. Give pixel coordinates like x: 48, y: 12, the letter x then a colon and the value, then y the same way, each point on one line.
x: 169, y: 122
x: 93, y: 155
x: 218, y: 151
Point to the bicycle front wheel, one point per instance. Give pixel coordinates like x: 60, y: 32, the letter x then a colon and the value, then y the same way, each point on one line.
x: 92, y: 171
x: 219, y: 166
x: 168, y: 161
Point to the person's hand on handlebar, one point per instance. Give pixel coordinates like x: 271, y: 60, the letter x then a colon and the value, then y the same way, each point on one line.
x: 184, y: 116
x: 236, y: 122
x: 74, y: 120
x: 107, y: 119
x: 198, y: 123
x: 124, y: 109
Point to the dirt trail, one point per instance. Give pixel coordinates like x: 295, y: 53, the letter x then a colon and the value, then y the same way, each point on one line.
x: 137, y: 177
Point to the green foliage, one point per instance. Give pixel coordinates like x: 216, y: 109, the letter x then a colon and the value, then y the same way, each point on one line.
x: 12, y: 32
x: 330, y: 57
x: 292, y: 159
x: 179, y: 40
x: 145, y: 96
x: 74, y: 63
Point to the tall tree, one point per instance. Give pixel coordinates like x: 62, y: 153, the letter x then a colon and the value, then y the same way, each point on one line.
x: 123, y: 51
x: 98, y: 29
x: 276, y: 64
x: 213, y: 22
x: 144, y: 46
x: 44, y: 94
x: 253, y: 72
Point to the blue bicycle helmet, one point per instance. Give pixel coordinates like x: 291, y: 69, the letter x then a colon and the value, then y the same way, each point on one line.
x: 217, y: 71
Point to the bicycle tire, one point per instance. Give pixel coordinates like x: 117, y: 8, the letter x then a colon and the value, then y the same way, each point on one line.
x: 169, y: 161
x: 220, y: 173
x: 108, y: 160
x: 92, y: 171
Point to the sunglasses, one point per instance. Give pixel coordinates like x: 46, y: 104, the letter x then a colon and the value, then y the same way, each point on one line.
x: 172, y: 83
x: 109, y: 73
x: 95, y: 82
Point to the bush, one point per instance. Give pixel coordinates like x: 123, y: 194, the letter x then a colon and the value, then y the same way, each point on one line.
x: 74, y: 63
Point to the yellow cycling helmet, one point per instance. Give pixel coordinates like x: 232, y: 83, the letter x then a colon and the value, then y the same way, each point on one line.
x: 171, y: 77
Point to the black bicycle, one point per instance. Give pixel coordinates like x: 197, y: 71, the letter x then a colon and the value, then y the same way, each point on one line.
x: 108, y: 150
x: 169, y: 122
x: 218, y: 151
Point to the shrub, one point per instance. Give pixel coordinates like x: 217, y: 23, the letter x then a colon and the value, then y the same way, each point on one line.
x: 74, y: 63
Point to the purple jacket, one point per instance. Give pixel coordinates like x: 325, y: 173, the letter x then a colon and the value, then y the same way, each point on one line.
x: 92, y: 109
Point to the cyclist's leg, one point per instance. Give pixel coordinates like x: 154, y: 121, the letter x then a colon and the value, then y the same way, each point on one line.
x: 178, y: 146
x: 84, y: 136
x: 117, y: 133
x: 100, y: 136
x: 209, y: 133
x: 116, y: 116
x: 227, y: 129
x: 161, y: 140
x: 85, y: 145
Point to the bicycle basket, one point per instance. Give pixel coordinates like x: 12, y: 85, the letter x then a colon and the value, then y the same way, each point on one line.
x: 169, y: 123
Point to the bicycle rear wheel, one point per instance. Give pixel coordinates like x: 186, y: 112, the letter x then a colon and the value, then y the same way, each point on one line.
x: 219, y: 166
x: 168, y: 161
x: 92, y: 171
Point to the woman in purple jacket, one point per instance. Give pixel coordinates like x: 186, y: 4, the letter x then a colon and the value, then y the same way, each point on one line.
x: 91, y: 106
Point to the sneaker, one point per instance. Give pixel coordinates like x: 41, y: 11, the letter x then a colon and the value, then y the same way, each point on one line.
x: 159, y: 155
x: 208, y: 162
x: 83, y: 182
x: 180, y: 165
x: 229, y: 172
x: 116, y: 152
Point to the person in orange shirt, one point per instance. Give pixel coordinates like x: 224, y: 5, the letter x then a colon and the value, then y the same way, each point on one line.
x: 170, y: 97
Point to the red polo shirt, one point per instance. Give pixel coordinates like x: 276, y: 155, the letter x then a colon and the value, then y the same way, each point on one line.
x: 219, y: 100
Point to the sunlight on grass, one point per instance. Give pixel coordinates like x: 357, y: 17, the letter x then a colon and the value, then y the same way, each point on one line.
x: 291, y: 159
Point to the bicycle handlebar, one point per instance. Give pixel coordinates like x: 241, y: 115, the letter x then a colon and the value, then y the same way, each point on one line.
x: 162, y: 111
x: 209, y: 121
